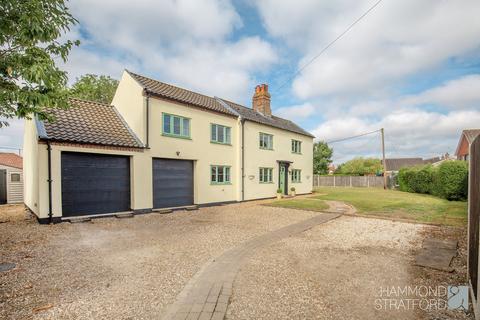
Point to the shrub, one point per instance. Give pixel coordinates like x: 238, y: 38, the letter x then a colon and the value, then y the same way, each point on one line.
x: 451, y: 181
x: 416, y: 179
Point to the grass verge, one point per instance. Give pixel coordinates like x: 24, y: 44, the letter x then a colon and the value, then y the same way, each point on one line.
x: 398, y: 204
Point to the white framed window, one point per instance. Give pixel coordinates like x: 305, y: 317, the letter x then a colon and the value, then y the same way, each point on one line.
x: 220, y: 174
x: 220, y: 134
x: 266, y: 141
x: 296, y: 175
x: 265, y: 175
x: 296, y: 146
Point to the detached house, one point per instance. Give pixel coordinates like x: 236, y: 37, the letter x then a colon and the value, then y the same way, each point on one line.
x: 161, y: 146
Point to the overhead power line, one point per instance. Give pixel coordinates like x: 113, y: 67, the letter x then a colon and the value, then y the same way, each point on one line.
x: 353, y: 137
x: 329, y: 45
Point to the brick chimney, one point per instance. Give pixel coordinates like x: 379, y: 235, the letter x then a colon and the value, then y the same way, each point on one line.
x: 261, y: 100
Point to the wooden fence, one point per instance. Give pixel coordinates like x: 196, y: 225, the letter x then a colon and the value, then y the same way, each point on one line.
x: 350, y: 181
x: 474, y: 214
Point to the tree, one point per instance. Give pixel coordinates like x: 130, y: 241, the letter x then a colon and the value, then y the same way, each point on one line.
x: 322, y: 157
x: 94, y: 88
x: 361, y: 166
x: 30, y: 82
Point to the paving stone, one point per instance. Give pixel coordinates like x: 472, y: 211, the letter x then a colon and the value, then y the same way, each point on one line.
x: 221, y: 307
x: 205, y: 316
x: 197, y: 307
x: 193, y: 316
x: 218, y: 316
x: 209, y: 307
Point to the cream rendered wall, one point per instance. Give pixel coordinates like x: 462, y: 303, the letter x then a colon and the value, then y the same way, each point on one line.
x: 198, y: 148
x: 256, y: 158
x: 30, y: 166
x: 129, y: 101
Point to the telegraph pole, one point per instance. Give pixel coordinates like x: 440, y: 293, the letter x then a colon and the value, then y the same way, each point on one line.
x: 383, y: 157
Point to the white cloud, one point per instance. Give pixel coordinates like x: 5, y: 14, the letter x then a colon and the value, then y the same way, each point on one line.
x: 458, y: 93
x: 182, y: 42
x: 296, y: 112
x: 12, y: 135
x: 396, y: 40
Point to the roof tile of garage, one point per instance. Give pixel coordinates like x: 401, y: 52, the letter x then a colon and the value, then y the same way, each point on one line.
x: 89, y: 122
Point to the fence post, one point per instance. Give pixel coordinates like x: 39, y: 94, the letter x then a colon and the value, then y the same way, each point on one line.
x: 350, y: 181
x: 333, y: 181
x: 368, y: 181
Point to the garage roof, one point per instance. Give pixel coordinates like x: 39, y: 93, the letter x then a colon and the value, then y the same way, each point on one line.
x: 89, y: 123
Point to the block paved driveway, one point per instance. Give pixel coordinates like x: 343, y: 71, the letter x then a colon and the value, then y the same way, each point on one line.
x: 240, y: 261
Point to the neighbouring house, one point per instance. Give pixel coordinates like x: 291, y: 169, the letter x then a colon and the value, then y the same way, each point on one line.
x: 393, y: 165
x: 331, y: 168
x: 11, y: 178
x: 466, y: 139
x: 161, y: 146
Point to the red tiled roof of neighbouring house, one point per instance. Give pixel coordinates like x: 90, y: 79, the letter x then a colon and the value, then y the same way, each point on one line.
x: 11, y: 160
x: 89, y: 122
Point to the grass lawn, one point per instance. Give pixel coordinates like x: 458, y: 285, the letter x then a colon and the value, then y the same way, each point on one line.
x: 388, y: 203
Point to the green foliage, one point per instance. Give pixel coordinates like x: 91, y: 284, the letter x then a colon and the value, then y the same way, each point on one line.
x: 417, y: 179
x: 279, y: 190
x: 94, y: 88
x: 292, y: 189
x: 452, y: 180
x: 449, y: 180
x: 322, y: 157
x: 360, y: 166
x: 30, y: 82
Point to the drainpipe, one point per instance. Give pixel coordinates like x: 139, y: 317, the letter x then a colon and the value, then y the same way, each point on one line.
x: 147, y: 138
x: 242, y: 121
x: 49, y: 152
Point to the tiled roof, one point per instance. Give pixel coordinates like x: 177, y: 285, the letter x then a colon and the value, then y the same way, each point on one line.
x: 272, y: 121
x: 471, y: 134
x: 398, y: 163
x: 199, y: 100
x: 90, y: 123
x: 11, y: 160
x: 168, y: 91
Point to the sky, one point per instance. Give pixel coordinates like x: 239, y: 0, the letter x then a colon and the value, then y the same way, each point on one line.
x: 411, y: 67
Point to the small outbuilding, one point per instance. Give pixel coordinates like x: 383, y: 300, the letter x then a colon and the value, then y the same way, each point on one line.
x: 11, y: 178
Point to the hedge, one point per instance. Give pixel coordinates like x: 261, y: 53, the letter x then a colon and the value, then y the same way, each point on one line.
x: 449, y: 180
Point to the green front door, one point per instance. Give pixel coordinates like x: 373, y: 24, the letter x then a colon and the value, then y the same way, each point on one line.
x: 282, y: 179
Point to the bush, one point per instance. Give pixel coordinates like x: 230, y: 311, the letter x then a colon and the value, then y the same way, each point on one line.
x: 416, y: 179
x: 449, y: 180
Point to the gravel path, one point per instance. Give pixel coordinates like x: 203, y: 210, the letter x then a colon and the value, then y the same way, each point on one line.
x: 333, y: 271
x: 120, y: 268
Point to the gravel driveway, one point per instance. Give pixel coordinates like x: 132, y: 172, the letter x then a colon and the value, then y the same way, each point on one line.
x: 135, y: 268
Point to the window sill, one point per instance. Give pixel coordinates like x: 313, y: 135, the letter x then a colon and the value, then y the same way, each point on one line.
x: 266, y: 149
x: 221, y: 143
x: 220, y: 183
x: 296, y: 182
x: 299, y: 153
x: 175, y: 136
x: 266, y: 182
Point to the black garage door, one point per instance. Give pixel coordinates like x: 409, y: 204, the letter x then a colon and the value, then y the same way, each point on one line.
x: 94, y: 183
x: 172, y: 183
